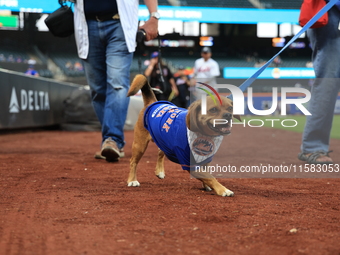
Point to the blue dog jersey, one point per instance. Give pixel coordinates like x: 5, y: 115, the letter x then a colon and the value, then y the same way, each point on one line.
x: 166, y: 124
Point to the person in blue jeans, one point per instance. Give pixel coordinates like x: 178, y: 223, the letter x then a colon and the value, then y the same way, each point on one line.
x: 325, y: 43
x: 105, y: 33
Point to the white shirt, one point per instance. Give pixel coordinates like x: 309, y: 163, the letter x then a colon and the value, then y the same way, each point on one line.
x: 128, y: 13
x: 206, y: 71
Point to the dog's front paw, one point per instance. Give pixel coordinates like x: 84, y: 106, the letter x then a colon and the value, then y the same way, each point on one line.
x: 134, y: 184
x: 228, y: 193
x: 161, y: 175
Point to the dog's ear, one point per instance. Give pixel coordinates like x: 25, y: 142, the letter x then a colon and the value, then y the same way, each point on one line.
x: 237, y: 117
x: 192, y: 116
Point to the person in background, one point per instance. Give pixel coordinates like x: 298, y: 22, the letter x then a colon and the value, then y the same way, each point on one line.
x: 325, y: 43
x: 31, y: 71
x: 105, y: 33
x: 2, y: 58
x: 78, y: 66
x: 168, y: 86
x: 205, y: 70
x: 183, y: 83
x: 277, y: 62
x: 69, y: 65
x: 11, y: 58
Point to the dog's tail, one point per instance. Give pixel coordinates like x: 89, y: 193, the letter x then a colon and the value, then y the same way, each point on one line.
x: 140, y: 82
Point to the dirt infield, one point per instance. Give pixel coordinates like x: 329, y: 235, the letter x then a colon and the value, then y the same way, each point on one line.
x: 55, y: 198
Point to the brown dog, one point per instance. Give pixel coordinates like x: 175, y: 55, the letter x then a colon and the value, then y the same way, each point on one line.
x: 185, y: 136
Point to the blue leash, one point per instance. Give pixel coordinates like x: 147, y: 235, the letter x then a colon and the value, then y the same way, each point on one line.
x: 317, y: 16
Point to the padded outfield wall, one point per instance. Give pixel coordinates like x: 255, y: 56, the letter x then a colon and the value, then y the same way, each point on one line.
x: 27, y: 101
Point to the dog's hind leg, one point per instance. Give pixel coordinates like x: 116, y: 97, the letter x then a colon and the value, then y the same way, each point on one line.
x: 160, y: 173
x: 139, y: 145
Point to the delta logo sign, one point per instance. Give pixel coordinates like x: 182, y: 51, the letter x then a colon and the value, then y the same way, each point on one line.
x: 30, y: 100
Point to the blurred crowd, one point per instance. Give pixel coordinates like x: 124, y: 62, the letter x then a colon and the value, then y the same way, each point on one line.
x: 13, y: 59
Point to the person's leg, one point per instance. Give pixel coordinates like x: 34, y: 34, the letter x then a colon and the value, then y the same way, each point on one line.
x: 182, y: 96
x: 107, y: 70
x: 95, y: 69
x: 118, y: 63
x: 325, y: 43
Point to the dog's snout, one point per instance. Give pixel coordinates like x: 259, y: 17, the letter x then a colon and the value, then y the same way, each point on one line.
x: 227, y: 115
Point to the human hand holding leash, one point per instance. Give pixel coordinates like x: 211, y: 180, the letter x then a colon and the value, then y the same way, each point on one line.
x: 150, y: 28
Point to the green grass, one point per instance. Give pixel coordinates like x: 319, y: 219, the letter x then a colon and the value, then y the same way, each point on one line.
x: 300, y: 119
